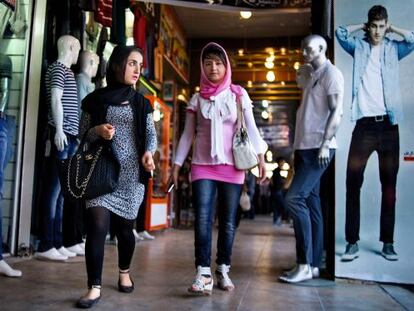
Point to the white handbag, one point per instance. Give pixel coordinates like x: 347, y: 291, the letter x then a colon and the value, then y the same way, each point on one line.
x: 244, y: 201
x: 244, y: 154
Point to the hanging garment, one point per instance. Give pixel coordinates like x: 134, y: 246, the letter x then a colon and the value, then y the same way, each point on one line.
x: 104, y: 13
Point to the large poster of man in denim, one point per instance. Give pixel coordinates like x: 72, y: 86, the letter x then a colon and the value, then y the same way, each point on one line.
x: 373, y: 192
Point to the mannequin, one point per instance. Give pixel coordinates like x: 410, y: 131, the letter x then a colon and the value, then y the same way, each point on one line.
x: 317, y: 121
x: 89, y: 63
x: 7, y: 128
x: 63, y: 130
x: 72, y: 219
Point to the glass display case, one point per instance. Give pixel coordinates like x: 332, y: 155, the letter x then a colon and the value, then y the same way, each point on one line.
x: 157, y: 205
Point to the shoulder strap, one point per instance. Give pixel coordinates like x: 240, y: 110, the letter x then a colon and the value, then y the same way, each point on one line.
x: 240, y: 116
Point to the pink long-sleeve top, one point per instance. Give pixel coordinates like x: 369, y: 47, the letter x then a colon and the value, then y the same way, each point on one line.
x: 213, y: 122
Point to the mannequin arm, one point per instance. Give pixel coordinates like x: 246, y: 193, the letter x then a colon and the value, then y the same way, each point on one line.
x: 335, y: 116
x: 60, y: 139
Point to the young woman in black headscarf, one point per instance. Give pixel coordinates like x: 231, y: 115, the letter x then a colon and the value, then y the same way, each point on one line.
x: 120, y: 114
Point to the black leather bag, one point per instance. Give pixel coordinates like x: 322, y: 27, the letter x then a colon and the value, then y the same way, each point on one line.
x: 91, y: 172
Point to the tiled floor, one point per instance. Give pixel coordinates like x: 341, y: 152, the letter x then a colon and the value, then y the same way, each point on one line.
x: 163, y: 269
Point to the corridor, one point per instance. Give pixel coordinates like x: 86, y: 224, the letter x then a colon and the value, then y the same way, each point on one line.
x: 163, y: 269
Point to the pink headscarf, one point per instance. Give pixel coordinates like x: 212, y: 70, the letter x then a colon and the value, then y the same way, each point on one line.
x: 208, y: 88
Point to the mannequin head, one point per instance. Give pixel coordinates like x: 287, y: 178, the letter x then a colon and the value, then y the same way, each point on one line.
x: 313, y: 49
x: 89, y: 62
x: 68, y: 50
x: 303, y: 75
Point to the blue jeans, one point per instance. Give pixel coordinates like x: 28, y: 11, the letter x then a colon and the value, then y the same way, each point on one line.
x: 52, y: 197
x: 304, y: 206
x: 204, y: 199
x: 7, y: 131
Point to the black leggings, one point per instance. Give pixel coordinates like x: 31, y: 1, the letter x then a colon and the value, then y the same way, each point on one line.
x: 96, y: 230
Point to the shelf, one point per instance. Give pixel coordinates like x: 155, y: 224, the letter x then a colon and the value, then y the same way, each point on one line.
x: 182, y: 77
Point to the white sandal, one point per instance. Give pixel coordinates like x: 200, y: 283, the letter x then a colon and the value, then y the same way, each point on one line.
x: 198, y: 286
x: 223, y: 280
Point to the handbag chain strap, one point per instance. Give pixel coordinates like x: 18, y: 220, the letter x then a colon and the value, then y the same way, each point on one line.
x: 85, y: 182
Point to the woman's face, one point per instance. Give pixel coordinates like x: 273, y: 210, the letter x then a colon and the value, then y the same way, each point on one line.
x: 214, y: 68
x: 133, y: 68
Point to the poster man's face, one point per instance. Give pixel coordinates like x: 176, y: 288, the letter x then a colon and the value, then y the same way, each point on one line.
x: 377, y: 30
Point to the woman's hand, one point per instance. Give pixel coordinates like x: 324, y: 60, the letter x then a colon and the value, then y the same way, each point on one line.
x: 262, y: 168
x: 106, y: 131
x: 148, y: 161
x: 174, y: 176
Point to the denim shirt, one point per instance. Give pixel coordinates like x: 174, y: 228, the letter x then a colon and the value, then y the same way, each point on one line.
x: 391, y: 52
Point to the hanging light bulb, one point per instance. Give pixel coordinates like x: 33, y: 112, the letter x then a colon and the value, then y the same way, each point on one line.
x: 249, y: 83
x: 245, y: 14
x: 265, y: 103
x: 270, y: 76
x: 269, y: 65
x: 265, y: 115
x: 241, y: 52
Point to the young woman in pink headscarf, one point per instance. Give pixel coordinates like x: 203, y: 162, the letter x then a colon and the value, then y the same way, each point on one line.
x: 211, y: 119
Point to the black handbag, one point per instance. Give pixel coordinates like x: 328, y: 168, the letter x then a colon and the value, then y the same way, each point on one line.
x: 91, y: 172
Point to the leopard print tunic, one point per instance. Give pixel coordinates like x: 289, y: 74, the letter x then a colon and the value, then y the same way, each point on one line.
x: 127, y: 198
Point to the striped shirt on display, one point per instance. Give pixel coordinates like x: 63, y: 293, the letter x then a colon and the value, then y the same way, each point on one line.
x: 61, y: 77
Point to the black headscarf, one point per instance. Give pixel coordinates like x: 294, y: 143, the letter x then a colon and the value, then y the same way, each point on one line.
x: 117, y: 91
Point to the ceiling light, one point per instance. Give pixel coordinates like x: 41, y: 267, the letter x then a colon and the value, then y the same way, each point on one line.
x: 250, y: 64
x: 269, y: 65
x: 270, y: 58
x: 265, y: 115
x: 296, y: 65
x: 245, y: 14
x: 270, y: 76
x: 241, y: 52
x: 283, y: 51
x: 197, y: 89
x: 265, y: 103
x: 282, y: 82
x: 249, y: 83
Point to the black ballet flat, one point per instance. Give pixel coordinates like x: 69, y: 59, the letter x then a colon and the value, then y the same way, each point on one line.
x: 125, y: 289
x: 88, y: 303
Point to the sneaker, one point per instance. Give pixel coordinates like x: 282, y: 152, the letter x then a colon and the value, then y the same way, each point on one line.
x: 388, y: 252
x: 146, y: 235
x: 51, y: 254
x: 9, y: 271
x: 351, y: 252
x: 302, y: 273
x: 77, y: 249
x: 65, y: 252
x: 137, y: 236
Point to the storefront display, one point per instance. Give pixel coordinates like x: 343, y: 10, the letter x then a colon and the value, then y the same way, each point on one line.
x: 158, y: 198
